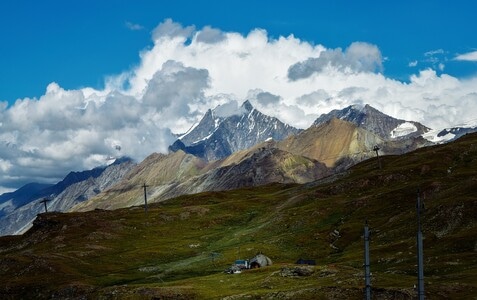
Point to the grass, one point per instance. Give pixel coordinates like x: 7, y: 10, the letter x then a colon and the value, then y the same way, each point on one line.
x: 181, y: 247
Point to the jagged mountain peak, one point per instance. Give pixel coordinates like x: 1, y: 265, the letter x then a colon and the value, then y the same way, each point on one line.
x: 354, y: 113
x: 227, y: 129
x: 375, y: 121
x: 247, y: 106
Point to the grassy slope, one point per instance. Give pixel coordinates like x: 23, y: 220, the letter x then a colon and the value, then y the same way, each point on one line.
x: 181, y: 247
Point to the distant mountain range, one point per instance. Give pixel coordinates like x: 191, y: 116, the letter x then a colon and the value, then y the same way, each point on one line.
x: 224, y: 152
x: 20, y: 208
x: 276, y: 153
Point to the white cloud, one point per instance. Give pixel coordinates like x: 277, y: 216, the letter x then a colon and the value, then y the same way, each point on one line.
x: 358, y: 57
x: 210, y: 35
x: 434, y: 52
x: 412, y: 63
x: 171, y: 29
x: 263, y: 98
x: 134, y: 26
x: 228, y: 109
x: 188, y: 71
x: 470, y: 56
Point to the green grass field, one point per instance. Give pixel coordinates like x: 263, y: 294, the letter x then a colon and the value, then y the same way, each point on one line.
x: 180, y: 249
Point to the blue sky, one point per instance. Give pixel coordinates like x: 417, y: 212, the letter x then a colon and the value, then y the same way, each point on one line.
x: 79, y: 43
x: 85, y: 81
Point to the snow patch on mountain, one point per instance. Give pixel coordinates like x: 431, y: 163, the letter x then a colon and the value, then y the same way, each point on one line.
x: 203, y: 139
x: 188, y: 131
x: 403, y: 130
x: 451, y: 133
x: 435, y: 136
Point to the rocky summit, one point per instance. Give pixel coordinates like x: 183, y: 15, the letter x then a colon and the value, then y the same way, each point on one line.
x: 217, y: 136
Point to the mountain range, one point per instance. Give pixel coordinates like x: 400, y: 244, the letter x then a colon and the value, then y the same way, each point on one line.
x: 180, y: 248
x: 21, y: 207
x: 223, y: 152
x: 216, y: 137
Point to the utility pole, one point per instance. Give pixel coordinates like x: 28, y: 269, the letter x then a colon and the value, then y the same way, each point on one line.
x: 44, y: 202
x: 376, y: 149
x: 145, y: 197
x: 367, y: 274
x: 420, y: 259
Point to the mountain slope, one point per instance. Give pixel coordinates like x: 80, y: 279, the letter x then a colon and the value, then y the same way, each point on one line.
x: 158, y: 171
x: 11, y: 201
x: 257, y: 167
x: 449, y: 134
x: 337, y: 143
x: 331, y: 141
x: 76, y: 187
x: 181, y: 247
x: 373, y: 120
x: 340, y: 144
x: 179, y: 173
x: 216, y: 137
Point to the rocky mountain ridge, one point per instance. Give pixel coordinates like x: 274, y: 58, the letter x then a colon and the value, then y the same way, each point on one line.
x: 327, y: 147
x: 207, y: 159
x: 180, y: 173
x: 76, y: 187
x: 216, y: 137
x: 371, y: 119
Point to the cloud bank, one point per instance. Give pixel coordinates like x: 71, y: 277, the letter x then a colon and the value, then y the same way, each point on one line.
x: 470, y: 56
x: 189, y: 70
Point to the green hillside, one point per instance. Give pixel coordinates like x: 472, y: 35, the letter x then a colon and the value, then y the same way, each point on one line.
x: 180, y: 249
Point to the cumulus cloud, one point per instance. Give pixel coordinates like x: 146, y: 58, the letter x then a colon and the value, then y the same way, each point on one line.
x: 470, y: 56
x: 314, y: 98
x: 263, y: 98
x: 170, y: 92
x: 210, y: 35
x: 358, y: 57
x: 228, y: 109
x: 188, y: 71
x: 171, y: 29
x: 43, y: 139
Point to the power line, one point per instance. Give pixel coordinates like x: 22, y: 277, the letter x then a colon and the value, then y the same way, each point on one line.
x: 144, y: 186
x: 44, y: 202
x: 367, y: 274
x: 376, y: 149
x: 420, y: 259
